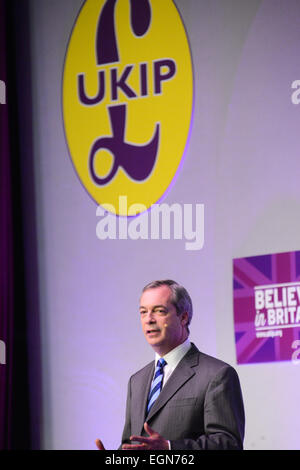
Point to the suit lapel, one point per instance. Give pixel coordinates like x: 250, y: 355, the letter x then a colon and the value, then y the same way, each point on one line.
x: 183, y: 372
x: 143, y: 392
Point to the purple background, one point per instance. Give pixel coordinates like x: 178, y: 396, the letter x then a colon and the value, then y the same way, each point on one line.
x: 242, y: 163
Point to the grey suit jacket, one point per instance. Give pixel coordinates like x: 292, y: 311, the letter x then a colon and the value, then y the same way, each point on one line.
x: 200, y: 407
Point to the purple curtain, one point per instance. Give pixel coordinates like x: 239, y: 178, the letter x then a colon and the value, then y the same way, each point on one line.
x: 6, y: 253
x: 14, y: 398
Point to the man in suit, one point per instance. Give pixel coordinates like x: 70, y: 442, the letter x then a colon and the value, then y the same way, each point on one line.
x: 190, y: 400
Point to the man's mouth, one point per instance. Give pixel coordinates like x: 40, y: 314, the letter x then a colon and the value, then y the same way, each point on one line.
x: 152, y: 331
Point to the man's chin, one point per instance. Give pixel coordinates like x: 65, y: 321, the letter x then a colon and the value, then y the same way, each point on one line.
x: 154, y: 340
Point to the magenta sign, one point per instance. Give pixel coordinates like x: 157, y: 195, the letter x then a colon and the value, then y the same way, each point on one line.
x: 266, y: 298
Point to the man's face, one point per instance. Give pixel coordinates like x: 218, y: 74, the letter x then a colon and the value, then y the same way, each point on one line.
x: 162, y: 327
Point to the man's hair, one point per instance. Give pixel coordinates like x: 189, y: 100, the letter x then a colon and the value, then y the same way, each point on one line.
x: 180, y: 297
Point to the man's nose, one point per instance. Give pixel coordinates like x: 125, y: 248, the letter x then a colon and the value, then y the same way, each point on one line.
x: 150, y: 317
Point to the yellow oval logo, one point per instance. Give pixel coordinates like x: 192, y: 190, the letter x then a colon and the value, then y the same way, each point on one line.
x: 127, y: 99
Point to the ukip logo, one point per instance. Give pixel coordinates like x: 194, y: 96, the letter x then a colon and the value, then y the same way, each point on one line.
x: 127, y: 98
x: 137, y: 161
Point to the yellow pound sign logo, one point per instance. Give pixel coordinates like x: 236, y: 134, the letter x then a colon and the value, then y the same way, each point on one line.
x: 127, y: 99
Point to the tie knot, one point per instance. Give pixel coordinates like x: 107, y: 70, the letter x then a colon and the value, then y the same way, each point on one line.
x: 161, y: 363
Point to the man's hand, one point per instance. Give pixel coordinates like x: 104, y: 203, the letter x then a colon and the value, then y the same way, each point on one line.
x: 154, y: 442
x: 99, y: 444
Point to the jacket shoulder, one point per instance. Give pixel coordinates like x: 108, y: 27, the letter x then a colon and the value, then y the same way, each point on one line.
x: 210, y: 365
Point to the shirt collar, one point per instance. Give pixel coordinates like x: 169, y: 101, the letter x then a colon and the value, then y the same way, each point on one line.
x: 174, y: 357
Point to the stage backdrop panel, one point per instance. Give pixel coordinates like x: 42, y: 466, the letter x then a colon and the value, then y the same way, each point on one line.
x: 241, y: 162
x: 267, y: 307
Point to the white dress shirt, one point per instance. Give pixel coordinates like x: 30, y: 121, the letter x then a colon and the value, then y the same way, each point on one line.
x: 173, y: 358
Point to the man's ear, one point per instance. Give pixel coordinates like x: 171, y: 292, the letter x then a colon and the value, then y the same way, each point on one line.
x: 184, y: 318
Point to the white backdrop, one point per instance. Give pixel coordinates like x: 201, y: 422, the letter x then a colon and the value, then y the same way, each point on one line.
x: 242, y: 164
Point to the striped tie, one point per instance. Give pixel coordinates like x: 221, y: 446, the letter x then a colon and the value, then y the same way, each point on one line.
x: 156, y: 383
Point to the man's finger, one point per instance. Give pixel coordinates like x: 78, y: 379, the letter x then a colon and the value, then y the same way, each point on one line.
x: 140, y: 439
x: 149, y: 430
x: 134, y: 447
x: 99, y: 444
